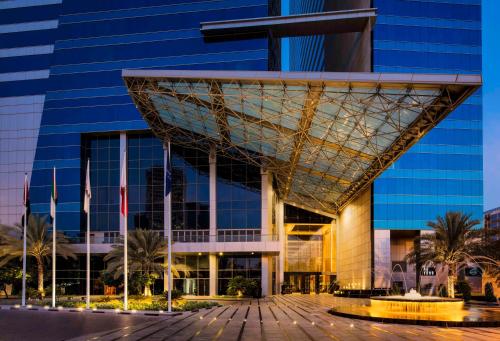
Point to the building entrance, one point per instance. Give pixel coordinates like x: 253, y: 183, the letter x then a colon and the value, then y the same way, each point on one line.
x: 303, y: 282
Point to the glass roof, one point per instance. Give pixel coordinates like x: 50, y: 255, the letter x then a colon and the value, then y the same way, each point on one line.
x: 323, y: 136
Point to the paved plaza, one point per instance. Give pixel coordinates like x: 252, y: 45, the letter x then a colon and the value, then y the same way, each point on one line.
x: 291, y: 317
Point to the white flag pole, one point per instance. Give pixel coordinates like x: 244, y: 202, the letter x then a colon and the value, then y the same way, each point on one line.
x: 125, y: 265
x: 54, y: 232
x: 23, y: 299
x: 87, y: 198
x: 169, y: 237
x: 124, y: 208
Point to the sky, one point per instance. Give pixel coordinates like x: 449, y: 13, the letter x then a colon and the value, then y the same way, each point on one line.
x: 491, y: 103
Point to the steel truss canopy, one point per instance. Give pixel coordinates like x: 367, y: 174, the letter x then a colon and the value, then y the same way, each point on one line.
x: 323, y: 136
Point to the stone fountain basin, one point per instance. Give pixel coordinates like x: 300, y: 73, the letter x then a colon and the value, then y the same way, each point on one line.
x: 423, y: 299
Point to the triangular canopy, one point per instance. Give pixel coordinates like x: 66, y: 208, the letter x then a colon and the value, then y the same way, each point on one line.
x: 324, y: 136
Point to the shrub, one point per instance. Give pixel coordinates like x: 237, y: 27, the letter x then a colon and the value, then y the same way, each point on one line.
x: 240, y: 286
x: 465, y: 289
x: 489, y: 292
x: 176, y: 294
x: 193, y: 305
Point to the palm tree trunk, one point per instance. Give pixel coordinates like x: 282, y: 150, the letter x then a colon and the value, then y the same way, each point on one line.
x: 147, y: 290
x: 40, y: 278
x: 451, y: 282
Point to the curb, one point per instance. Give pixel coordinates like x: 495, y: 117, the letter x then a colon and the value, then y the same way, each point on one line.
x: 73, y: 310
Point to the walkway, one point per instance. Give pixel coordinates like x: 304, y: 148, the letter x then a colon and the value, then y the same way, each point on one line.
x: 283, y: 318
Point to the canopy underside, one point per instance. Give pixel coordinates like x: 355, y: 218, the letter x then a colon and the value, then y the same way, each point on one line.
x: 324, y: 136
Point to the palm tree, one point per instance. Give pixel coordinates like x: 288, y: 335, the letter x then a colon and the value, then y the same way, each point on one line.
x: 452, y: 245
x: 146, y: 252
x: 38, y: 244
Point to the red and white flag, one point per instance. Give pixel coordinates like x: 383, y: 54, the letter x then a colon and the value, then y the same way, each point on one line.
x: 123, y: 188
x: 88, y: 193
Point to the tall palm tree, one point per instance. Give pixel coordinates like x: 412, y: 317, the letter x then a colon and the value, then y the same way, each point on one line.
x: 38, y: 244
x: 451, y: 245
x: 146, y: 252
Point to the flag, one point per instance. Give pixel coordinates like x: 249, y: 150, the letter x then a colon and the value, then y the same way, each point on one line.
x: 26, y: 194
x: 168, y: 174
x: 26, y: 199
x: 123, y: 188
x: 88, y: 193
x: 53, y: 197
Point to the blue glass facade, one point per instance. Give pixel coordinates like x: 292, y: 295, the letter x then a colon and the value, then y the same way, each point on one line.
x: 27, y: 36
x: 443, y: 172
x: 85, y: 94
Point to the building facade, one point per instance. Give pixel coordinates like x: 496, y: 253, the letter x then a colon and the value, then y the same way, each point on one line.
x: 63, y: 101
x: 492, y: 219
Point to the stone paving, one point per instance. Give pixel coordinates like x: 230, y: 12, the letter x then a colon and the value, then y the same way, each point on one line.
x: 282, y: 318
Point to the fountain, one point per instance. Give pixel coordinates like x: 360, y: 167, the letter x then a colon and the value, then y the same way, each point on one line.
x: 414, y: 303
x: 413, y: 308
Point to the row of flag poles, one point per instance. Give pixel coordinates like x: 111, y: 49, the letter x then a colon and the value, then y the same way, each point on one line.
x: 86, y: 209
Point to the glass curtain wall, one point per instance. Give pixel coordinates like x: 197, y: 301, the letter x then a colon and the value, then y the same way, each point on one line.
x: 190, y: 195
x: 145, y: 182
x: 238, y: 200
x: 246, y: 266
x: 104, y: 155
x: 193, y: 274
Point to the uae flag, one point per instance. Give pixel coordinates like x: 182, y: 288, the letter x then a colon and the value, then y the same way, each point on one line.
x: 53, y: 197
x: 123, y: 188
x: 88, y: 193
x: 26, y: 198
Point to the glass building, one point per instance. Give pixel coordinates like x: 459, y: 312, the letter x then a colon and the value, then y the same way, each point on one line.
x: 263, y: 184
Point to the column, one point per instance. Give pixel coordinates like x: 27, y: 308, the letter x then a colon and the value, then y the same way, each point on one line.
x: 213, y: 194
x: 212, y: 264
x: 123, y: 150
x: 266, y: 275
x: 280, y: 221
x: 266, y: 200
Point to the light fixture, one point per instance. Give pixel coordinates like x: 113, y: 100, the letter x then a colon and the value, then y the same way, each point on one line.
x: 221, y: 253
x: 199, y: 253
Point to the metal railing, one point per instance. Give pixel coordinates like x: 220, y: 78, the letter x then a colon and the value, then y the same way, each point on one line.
x: 186, y: 236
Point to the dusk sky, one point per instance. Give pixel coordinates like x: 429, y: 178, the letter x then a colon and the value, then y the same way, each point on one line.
x: 491, y: 95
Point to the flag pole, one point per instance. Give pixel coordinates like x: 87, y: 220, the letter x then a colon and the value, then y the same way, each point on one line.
x: 124, y: 209
x: 23, y: 299
x: 125, y: 266
x: 169, y: 235
x: 54, y: 231
x: 87, y: 199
